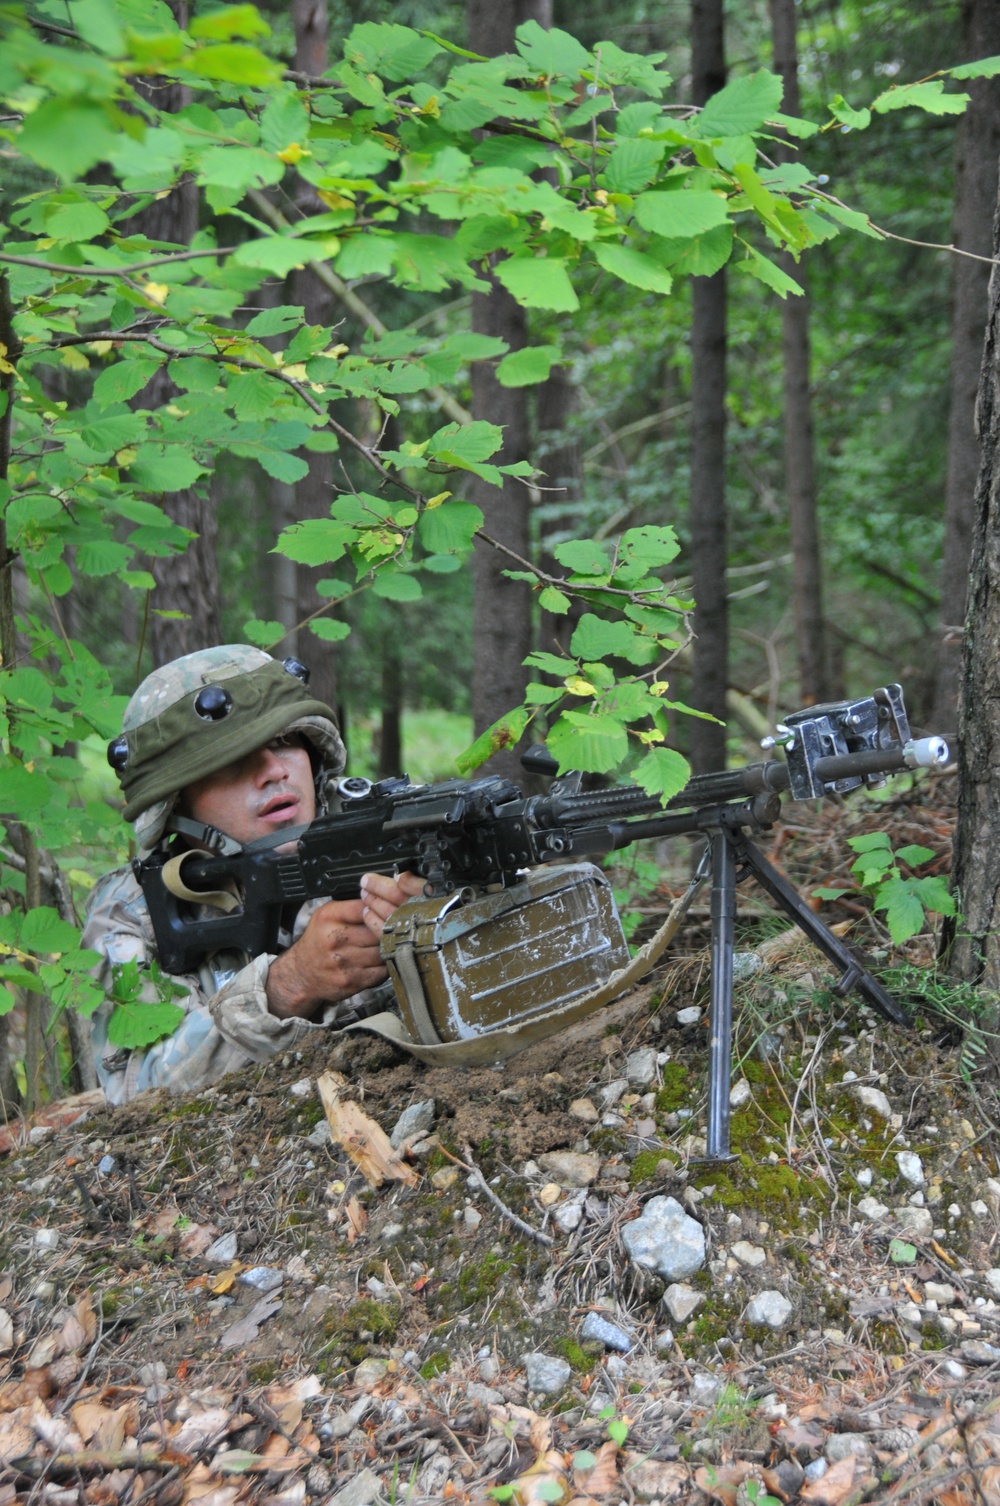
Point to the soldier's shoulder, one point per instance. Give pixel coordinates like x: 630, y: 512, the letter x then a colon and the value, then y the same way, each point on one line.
x: 117, y: 896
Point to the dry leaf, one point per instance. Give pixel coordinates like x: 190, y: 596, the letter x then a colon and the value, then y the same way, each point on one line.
x: 540, y: 1434
x: 833, y: 1487
x: 988, y: 1482
x: 16, y: 1438
x: 365, y: 1142
x: 602, y: 1478
x: 222, y: 1283
x: 303, y: 1389
x: 246, y: 1329
x: 6, y: 1287
x: 655, y: 1479
x: 201, y: 1429
x: 84, y: 1311
x: 196, y: 1239
x: 357, y: 1219
x: 722, y: 1481
x: 58, y: 1432
x: 87, y: 1418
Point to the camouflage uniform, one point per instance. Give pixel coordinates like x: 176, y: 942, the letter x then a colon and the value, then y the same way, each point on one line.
x: 226, y: 1023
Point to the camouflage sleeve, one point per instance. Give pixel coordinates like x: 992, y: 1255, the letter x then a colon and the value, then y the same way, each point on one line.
x: 226, y: 1020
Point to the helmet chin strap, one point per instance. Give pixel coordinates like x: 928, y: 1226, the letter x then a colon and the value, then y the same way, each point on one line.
x: 220, y: 845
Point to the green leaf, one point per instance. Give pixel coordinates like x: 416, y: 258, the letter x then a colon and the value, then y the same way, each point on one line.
x: 682, y: 213
x: 870, y: 841
x: 901, y: 1252
x: 904, y: 914
x: 914, y: 854
x: 555, y: 601
x: 96, y: 23
x: 81, y: 221
x: 522, y: 368
x: 235, y: 1461
x: 537, y: 694
x: 315, y: 541
x: 857, y: 120
x: 648, y: 547
x: 662, y: 772
x: 396, y: 586
x: 769, y: 273
x: 229, y: 21
x: 982, y: 68
x: 67, y: 138
x: 701, y: 255
x: 549, y: 1490
x: 742, y: 106
x: 274, y: 253
x: 617, y: 1431
x: 593, y: 743
x: 232, y: 63
x: 929, y: 96
x: 119, y: 382
x: 595, y: 638
x: 504, y: 733
x: 825, y: 893
x: 135, y: 1025
x: 550, y: 50
x: 583, y: 557
x: 43, y: 930
x: 329, y: 629
x: 157, y: 468
x: 371, y: 254
x: 633, y: 163
x: 538, y: 282
x: 633, y: 267
x: 264, y: 633
x: 396, y: 52
x: 584, y: 1459
x: 934, y: 894
x: 449, y: 529
x: 276, y: 321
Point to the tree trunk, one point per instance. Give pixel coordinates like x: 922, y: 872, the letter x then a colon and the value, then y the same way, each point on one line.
x: 975, y: 941
x: 502, y: 609
x: 707, y: 505
x: 314, y: 493
x: 800, y: 459
x: 975, y: 191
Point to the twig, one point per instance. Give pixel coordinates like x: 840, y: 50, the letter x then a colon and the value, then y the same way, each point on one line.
x: 470, y: 1166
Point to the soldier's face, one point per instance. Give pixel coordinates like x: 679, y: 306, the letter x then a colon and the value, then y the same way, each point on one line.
x: 267, y: 790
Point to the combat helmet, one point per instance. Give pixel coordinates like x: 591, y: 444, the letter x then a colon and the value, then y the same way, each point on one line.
x: 203, y: 711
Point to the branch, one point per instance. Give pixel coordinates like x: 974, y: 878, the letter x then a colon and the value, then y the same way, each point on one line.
x: 356, y: 305
x: 87, y: 270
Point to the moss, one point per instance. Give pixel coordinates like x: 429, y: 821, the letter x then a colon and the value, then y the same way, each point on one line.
x: 643, y: 1168
x: 676, y: 1089
x: 263, y: 1373
x: 436, y: 1364
x: 343, y: 1331
x: 581, y: 1361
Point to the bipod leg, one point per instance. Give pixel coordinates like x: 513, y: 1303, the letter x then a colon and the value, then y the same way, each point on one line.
x: 720, y: 1019
x: 853, y: 975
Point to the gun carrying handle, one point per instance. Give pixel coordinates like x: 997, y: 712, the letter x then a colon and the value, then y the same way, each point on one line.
x: 173, y: 881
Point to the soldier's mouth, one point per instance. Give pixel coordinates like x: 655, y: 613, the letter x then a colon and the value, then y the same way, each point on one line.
x: 279, y: 809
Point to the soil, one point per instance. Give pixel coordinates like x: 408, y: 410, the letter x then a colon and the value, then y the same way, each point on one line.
x: 388, y: 1362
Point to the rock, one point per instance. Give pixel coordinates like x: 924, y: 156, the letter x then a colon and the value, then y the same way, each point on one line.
x: 666, y: 1240
x: 569, y: 1168
x: 664, y: 1341
x: 222, y: 1251
x: 473, y: 1218
x: 748, y: 1254
x: 992, y: 1279
x: 549, y: 1194
x: 567, y: 1217
x: 264, y: 1278
x: 320, y: 1135
x: 489, y: 1368
x: 546, y: 1374
x: 444, y: 1177
x: 369, y: 1373
x: 40, y: 1134
x: 769, y: 1308
x: 914, y: 1221
x: 361, y: 1491
x: 46, y: 1239
x: 872, y: 1209
x: 874, y: 1100
x: 640, y: 1067
x: 979, y: 1353
x: 941, y: 1292
x: 954, y: 1370
x: 106, y: 1165
x: 613, y: 1091
x: 594, y: 1327
x: 840, y: 1445
x: 705, y: 1389
x: 740, y: 1093
x: 990, y: 1193
x: 681, y: 1301
x: 413, y: 1123
x: 301, y: 1089
x: 746, y: 965
x: 689, y: 1016
x: 583, y: 1108
x: 816, y: 1470
x: 911, y: 1167
x: 484, y: 1395
x: 864, y: 1176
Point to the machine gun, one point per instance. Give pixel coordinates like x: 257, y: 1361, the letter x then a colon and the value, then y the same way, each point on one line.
x: 467, y: 836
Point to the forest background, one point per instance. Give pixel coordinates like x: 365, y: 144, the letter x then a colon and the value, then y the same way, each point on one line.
x: 626, y: 411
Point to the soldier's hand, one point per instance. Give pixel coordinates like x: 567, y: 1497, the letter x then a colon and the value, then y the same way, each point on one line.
x: 380, y: 895
x: 336, y: 956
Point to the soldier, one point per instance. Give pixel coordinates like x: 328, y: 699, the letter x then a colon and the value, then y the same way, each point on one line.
x: 227, y: 746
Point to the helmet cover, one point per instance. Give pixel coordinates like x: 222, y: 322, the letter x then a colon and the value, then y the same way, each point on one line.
x: 197, y: 714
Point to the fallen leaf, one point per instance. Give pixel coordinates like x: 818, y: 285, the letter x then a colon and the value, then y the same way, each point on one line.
x: 196, y: 1239
x: 222, y: 1283
x: 365, y: 1141
x: 58, y: 1432
x: 833, y: 1487
x: 357, y: 1219
x: 246, y: 1329
x: 201, y: 1429
x: 721, y: 1481
x: 16, y: 1439
x: 6, y: 1287
x: 655, y: 1479
x: 603, y: 1477
x: 84, y: 1311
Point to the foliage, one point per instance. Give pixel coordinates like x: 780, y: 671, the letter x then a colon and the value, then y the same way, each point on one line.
x: 906, y: 899
x: 556, y: 168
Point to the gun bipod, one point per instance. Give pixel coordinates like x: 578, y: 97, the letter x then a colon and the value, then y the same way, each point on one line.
x: 733, y: 857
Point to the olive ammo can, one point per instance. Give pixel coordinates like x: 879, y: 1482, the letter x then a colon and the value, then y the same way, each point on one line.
x: 470, y: 963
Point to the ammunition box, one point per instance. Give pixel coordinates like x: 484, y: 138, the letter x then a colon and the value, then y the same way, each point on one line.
x: 471, y: 962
